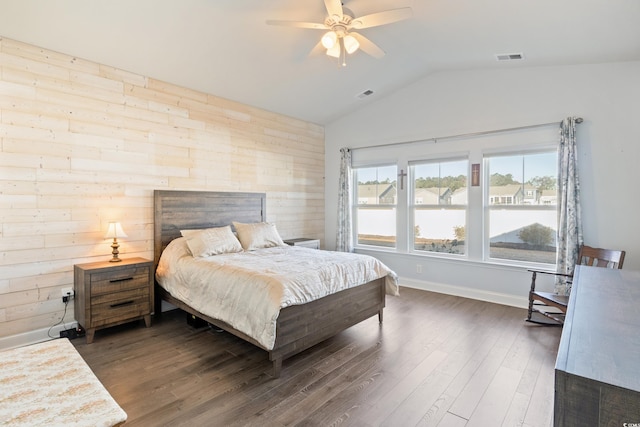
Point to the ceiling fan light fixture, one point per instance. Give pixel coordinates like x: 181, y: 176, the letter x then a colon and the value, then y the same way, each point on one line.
x: 329, y: 39
x: 339, y: 21
x: 350, y: 44
x: 334, y: 51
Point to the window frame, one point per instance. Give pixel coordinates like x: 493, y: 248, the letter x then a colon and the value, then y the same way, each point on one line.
x: 487, y: 206
x: 411, y: 203
x: 355, y: 205
x: 473, y: 147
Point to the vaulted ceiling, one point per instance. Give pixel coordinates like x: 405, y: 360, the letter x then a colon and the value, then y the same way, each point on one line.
x: 225, y: 47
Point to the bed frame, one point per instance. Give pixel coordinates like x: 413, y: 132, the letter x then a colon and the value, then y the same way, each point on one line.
x: 298, y: 327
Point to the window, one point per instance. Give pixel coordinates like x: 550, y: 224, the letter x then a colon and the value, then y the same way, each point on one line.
x: 521, y: 206
x: 376, y: 199
x: 419, y: 199
x: 439, y: 207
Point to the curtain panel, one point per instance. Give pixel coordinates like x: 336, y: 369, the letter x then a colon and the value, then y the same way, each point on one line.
x: 344, y: 237
x: 569, y: 216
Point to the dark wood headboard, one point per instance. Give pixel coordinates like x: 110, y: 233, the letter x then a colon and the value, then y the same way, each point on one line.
x: 183, y: 210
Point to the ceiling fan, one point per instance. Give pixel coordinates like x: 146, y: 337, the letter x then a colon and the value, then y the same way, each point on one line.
x: 340, y: 39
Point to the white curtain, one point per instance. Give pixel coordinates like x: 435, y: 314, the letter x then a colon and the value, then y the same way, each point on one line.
x: 344, y: 238
x: 569, y: 218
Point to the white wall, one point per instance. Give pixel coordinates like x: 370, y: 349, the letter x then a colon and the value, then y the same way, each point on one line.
x: 607, y: 96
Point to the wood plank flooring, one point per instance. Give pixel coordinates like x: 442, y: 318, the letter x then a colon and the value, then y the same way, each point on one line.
x: 437, y: 360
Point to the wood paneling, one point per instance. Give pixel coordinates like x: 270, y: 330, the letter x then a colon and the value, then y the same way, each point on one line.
x: 82, y: 144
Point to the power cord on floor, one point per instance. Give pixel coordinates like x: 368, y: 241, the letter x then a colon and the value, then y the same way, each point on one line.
x: 61, y: 321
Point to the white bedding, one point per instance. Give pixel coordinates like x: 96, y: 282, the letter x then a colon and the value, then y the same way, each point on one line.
x: 248, y: 289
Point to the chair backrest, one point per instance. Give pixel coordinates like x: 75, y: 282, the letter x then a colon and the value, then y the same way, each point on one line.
x: 600, y: 257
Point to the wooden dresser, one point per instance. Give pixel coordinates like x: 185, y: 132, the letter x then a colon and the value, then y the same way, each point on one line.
x: 111, y: 293
x: 597, y: 376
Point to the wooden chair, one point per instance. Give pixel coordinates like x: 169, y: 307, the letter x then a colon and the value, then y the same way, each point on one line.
x: 547, y: 308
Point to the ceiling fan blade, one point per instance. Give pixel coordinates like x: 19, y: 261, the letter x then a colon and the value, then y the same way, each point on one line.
x: 317, y: 49
x: 368, y: 46
x: 334, y: 8
x: 298, y: 24
x: 382, y: 18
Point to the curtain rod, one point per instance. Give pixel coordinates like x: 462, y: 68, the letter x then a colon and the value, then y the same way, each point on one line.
x: 464, y: 135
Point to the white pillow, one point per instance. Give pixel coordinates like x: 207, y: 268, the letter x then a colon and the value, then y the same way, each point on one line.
x: 258, y: 235
x: 211, y: 241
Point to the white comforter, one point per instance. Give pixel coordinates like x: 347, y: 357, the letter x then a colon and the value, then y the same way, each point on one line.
x: 248, y: 289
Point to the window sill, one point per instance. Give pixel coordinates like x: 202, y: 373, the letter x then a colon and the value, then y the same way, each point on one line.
x: 459, y: 259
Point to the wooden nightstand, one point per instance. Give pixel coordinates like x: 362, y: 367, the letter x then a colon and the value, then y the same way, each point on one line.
x: 307, y: 243
x: 111, y: 293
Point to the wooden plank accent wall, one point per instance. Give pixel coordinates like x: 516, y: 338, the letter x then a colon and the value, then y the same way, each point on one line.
x: 82, y: 144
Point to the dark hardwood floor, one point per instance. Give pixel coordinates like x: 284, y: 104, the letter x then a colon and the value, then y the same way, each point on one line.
x: 437, y: 360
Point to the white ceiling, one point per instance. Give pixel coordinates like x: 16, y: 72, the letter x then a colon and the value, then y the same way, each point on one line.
x: 224, y: 47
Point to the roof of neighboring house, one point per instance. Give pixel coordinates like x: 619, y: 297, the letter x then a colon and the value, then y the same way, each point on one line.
x: 505, y: 190
x: 374, y: 190
x: 438, y: 191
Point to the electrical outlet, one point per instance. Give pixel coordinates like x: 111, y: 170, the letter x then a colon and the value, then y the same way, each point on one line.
x: 418, y: 268
x: 67, y: 294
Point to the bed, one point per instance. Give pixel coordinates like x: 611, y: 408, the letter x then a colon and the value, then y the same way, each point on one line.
x: 49, y: 384
x: 297, y: 327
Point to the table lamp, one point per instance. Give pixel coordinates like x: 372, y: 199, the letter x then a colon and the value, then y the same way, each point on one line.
x: 115, y: 231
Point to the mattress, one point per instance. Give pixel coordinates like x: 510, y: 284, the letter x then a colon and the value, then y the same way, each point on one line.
x: 49, y: 384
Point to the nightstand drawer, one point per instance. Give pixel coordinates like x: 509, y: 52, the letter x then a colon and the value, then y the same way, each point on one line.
x: 120, y: 297
x: 127, y: 278
x: 114, y: 311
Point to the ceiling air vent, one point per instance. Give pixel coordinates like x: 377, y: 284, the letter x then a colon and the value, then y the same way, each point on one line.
x: 364, y: 94
x: 509, y: 56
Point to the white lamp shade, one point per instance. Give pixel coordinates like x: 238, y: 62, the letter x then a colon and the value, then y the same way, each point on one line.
x: 115, y: 231
x: 329, y: 39
x: 350, y: 44
x: 334, y: 51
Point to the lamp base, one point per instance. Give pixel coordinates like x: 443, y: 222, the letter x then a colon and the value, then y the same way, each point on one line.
x: 115, y: 251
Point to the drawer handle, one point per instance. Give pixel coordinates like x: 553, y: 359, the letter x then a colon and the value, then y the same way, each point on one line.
x: 120, y: 304
x: 121, y: 280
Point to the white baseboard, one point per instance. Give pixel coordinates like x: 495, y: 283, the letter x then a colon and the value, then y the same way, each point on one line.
x: 36, y: 336
x: 40, y: 335
x: 479, y: 294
